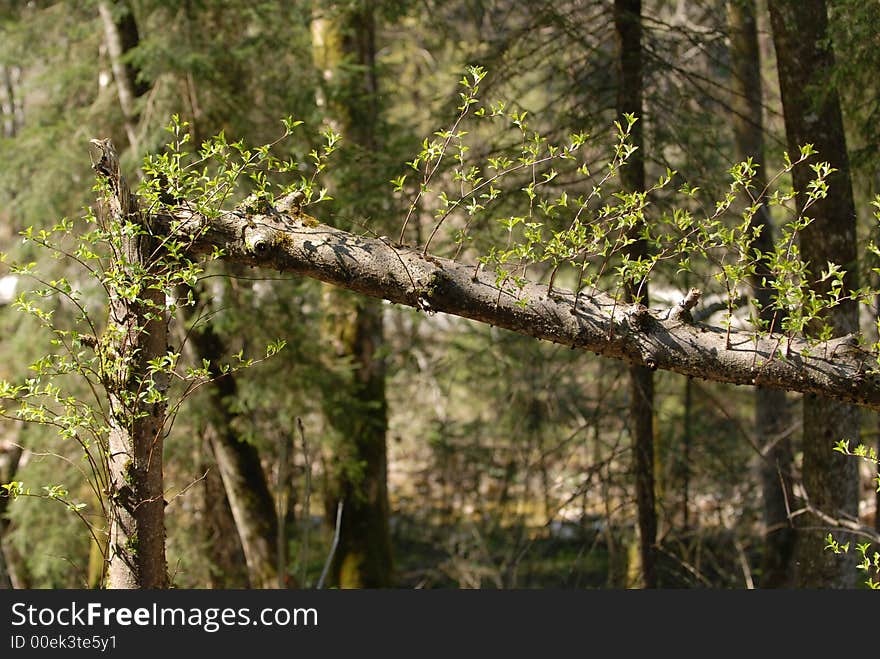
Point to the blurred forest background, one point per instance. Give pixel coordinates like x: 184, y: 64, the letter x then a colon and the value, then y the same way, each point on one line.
x: 465, y: 456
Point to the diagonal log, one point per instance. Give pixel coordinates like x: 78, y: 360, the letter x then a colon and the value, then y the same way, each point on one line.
x: 666, y: 340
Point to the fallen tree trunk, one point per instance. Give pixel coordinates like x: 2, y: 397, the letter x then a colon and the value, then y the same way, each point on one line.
x: 592, y: 321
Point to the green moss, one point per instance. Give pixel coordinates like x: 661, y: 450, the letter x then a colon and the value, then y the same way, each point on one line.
x: 132, y: 545
x: 308, y: 220
x: 128, y: 473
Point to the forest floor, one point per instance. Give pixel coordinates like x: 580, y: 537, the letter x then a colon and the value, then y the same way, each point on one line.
x: 566, y: 556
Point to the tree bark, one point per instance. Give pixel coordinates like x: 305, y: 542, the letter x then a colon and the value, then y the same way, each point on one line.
x: 628, y: 28
x: 812, y: 114
x: 285, y: 503
x: 8, y: 466
x: 10, y: 105
x: 137, y: 527
x: 136, y: 333
x: 772, y: 418
x: 659, y: 339
x: 225, y: 554
x: 239, y: 465
x: 877, y: 494
x: 353, y: 328
x: 359, y: 413
x: 121, y: 34
x: 238, y: 462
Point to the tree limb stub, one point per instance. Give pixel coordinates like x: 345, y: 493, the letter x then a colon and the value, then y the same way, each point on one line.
x: 836, y: 369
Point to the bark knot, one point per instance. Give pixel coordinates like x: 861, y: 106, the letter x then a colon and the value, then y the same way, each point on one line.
x: 259, y: 240
x: 425, y: 292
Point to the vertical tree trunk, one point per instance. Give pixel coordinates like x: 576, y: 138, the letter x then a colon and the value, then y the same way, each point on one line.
x: 10, y: 111
x: 284, y: 505
x: 687, y: 443
x: 877, y: 495
x: 139, y: 330
x: 628, y: 27
x: 10, y: 106
x: 229, y: 568
x: 812, y: 115
x: 8, y: 466
x: 121, y: 34
x: 359, y: 470
x: 354, y: 326
x: 136, y: 333
x: 250, y: 501
x: 238, y: 461
x: 771, y: 410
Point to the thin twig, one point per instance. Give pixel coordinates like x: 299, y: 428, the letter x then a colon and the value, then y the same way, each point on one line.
x: 189, y: 485
x: 332, y: 546
x: 306, y: 513
x: 282, y: 506
x: 744, y: 563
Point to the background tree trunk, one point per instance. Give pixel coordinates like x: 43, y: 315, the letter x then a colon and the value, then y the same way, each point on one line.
x: 353, y: 327
x: 238, y: 462
x: 121, y: 34
x: 772, y: 418
x: 221, y: 536
x: 10, y: 105
x: 811, y: 109
x: 628, y: 27
x: 358, y: 473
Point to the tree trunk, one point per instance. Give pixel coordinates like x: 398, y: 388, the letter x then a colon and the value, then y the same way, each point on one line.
x: 139, y: 329
x: 245, y: 485
x: 238, y: 462
x: 772, y: 418
x: 121, y: 34
x: 628, y: 27
x: 10, y: 105
x: 229, y: 567
x: 877, y: 494
x: 8, y: 466
x: 10, y: 112
x: 358, y: 413
x: 285, y: 503
x: 239, y: 465
x: 136, y: 333
x: 812, y: 114
x: 357, y: 410
x: 687, y: 444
